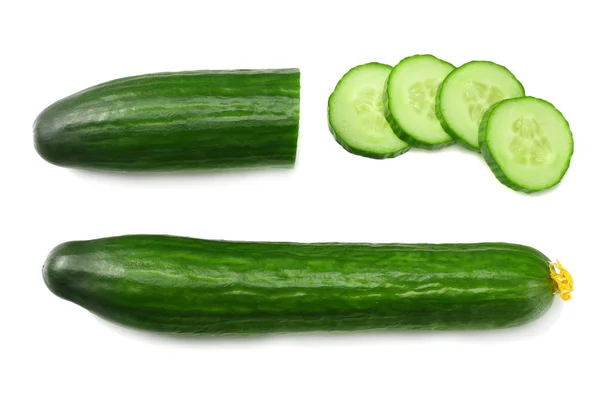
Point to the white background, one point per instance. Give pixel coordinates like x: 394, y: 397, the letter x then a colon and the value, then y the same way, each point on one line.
x: 53, y: 349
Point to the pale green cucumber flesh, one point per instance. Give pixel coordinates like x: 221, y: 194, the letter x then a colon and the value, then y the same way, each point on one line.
x: 409, y: 100
x: 356, y: 113
x: 527, y: 143
x: 466, y: 94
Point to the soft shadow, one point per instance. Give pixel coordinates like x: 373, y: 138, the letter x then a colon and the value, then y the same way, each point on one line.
x: 525, y: 332
x: 462, y: 152
x: 452, y: 149
x: 182, y: 176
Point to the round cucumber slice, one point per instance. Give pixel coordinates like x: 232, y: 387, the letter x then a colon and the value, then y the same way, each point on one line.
x: 356, y: 113
x: 467, y: 92
x: 527, y: 143
x: 409, y: 100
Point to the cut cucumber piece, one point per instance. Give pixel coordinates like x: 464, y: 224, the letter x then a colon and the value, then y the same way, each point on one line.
x: 409, y: 100
x: 527, y: 143
x: 467, y: 92
x: 205, y: 120
x: 356, y: 113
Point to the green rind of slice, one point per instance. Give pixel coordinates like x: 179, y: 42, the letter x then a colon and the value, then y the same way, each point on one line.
x: 531, y: 147
x: 368, y: 135
x: 451, y: 132
x: 397, y: 115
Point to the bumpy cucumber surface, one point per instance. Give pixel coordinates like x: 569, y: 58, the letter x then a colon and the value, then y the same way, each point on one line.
x: 356, y: 113
x: 467, y: 92
x: 182, y: 285
x: 176, y: 121
x: 527, y: 143
x: 409, y: 98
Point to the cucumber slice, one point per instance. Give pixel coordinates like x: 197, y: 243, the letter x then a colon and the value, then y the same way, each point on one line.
x: 409, y: 100
x: 527, y: 143
x: 467, y: 92
x: 356, y: 113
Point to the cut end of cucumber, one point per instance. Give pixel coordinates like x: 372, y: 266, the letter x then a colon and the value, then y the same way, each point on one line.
x: 527, y: 143
x: 468, y: 92
x: 357, y: 113
x: 410, y: 97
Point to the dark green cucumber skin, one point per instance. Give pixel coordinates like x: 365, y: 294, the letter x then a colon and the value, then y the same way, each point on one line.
x: 179, y: 285
x: 491, y: 161
x: 397, y: 126
x: 438, y: 111
x: 349, y: 148
x: 197, y: 120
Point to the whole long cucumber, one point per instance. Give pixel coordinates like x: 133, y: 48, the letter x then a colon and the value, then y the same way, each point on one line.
x: 183, y: 285
x: 176, y: 121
